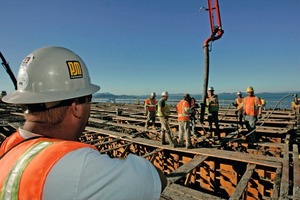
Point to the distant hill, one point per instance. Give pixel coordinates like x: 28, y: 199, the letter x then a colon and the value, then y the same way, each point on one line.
x: 108, y: 95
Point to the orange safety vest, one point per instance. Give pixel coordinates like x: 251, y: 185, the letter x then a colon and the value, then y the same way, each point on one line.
x: 239, y: 101
x: 182, y: 107
x: 251, y: 105
x: 25, y: 167
x: 152, y: 103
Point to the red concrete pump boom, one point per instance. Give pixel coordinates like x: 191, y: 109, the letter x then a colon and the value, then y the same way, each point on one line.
x: 216, y: 33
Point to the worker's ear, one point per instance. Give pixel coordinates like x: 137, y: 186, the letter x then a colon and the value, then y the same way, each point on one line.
x: 76, y: 109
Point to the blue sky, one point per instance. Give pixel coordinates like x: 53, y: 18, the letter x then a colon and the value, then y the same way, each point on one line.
x: 135, y: 47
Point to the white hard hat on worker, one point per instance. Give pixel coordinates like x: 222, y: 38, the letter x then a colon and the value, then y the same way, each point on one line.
x: 51, y: 74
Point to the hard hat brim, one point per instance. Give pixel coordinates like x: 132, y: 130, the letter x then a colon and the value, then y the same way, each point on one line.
x: 20, y: 97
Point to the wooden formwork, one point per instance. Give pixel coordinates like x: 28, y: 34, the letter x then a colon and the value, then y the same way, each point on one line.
x: 210, y: 173
x: 224, y: 170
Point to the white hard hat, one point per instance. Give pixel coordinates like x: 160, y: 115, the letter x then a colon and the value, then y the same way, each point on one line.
x: 165, y: 93
x: 211, y: 89
x: 153, y: 94
x: 51, y: 74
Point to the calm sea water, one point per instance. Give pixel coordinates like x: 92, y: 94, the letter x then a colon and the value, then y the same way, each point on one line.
x: 273, y: 100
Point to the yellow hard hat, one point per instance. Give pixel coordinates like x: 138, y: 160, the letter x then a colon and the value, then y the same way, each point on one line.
x: 250, y: 89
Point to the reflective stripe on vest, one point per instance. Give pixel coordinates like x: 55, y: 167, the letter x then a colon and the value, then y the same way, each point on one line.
x: 182, y: 107
x: 151, y: 104
x: 251, y: 105
x: 10, y: 189
x: 163, y: 111
x: 212, y: 103
x: 25, y: 168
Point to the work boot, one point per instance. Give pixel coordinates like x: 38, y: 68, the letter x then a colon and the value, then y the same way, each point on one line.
x: 171, y: 141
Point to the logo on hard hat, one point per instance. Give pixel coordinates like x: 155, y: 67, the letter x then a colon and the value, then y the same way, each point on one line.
x: 74, y: 69
x: 27, y: 60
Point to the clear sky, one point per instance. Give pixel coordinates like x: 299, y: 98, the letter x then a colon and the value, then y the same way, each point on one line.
x: 135, y: 47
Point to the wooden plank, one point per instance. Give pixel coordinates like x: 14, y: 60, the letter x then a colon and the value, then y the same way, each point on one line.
x: 115, y: 148
x: 175, y: 191
x: 276, y: 185
x: 296, y: 188
x: 284, y: 187
x: 230, y: 155
x: 152, y: 153
x: 107, y: 142
x: 183, y: 170
x: 243, y: 183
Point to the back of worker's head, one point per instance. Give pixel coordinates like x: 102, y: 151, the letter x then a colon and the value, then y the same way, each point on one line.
x: 165, y: 94
x: 51, y: 74
x: 250, y: 90
x: 152, y: 95
x: 187, y: 97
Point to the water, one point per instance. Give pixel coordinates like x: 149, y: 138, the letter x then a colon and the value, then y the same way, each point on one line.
x: 282, y: 100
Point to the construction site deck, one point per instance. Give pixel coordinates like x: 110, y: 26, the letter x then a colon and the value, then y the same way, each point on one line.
x: 213, y: 169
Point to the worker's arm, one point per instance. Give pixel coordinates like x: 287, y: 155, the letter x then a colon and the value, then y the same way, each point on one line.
x: 163, y: 179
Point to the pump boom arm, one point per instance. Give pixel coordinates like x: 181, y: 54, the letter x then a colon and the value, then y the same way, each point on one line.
x: 216, y: 33
x: 8, y: 70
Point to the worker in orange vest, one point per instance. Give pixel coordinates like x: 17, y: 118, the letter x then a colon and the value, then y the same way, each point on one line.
x: 252, y: 111
x: 184, y: 110
x: 44, y: 160
x: 150, y: 110
x: 239, y: 112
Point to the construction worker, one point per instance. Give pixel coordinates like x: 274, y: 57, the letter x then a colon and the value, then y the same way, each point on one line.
x: 263, y: 103
x: 183, y: 109
x: 252, y: 111
x: 194, y: 105
x: 295, y: 105
x: 44, y: 160
x: 239, y: 112
x: 163, y: 112
x: 150, y: 110
x: 212, y: 103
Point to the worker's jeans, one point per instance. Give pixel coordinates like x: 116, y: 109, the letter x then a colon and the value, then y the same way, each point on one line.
x: 150, y: 118
x: 184, y: 129
x: 165, y: 129
x: 213, y: 117
x: 250, y: 122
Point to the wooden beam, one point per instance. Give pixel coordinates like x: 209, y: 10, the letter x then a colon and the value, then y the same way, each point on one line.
x: 107, y: 142
x: 284, y: 187
x: 115, y: 148
x: 175, y: 191
x: 237, y: 156
x: 296, y: 188
x: 243, y: 183
x: 183, y: 170
x: 152, y: 153
x: 276, y: 185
